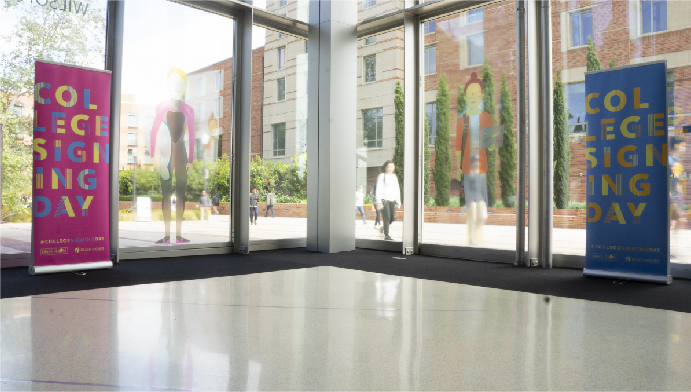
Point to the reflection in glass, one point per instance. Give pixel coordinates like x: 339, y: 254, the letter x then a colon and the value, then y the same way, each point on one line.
x: 470, y: 106
x: 174, y: 142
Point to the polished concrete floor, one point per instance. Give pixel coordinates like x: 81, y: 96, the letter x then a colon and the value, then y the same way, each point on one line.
x: 327, y: 328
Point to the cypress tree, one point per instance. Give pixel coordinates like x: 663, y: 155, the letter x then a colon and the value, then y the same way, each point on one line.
x: 461, y: 107
x: 562, y: 151
x: 399, y: 117
x: 442, y: 159
x: 427, y: 156
x: 592, y: 63
x: 507, y: 152
x: 489, y: 107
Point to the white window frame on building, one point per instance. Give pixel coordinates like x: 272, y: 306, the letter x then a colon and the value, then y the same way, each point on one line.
x: 200, y: 86
x: 132, y: 120
x: 370, y: 3
x: 277, y: 149
x: 470, y: 57
x: 661, y: 13
x: 582, y: 39
x: 218, y: 77
x: 378, y: 140
x: 281, y: 89
x: 130, y: 156
x: 430, y: 59
x: 199, y: 111
x: 282, y: 3
x: 370, y: 40
x: 281, y: 57
x: 218, y: 107
x: 18, y: 109
x: 132, y: 138
x: 369, y: 77
x: 147, y: 158
x: 431, y: 113
x: 474, y: 16
x: 430, y: 27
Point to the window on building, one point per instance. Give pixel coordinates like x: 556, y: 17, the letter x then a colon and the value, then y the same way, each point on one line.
x: 370, y: 3
x: 147, y: 158
x: 581, y: 27
x: 370, y: 40
x: 131, y: 138
x: 431, y: 113
x: 476, y: 49
x: 670, y: 93
x: 281, y: 35
x: 218, y: 107
x: 430, y: 59
x: 475, y: 15
x: 218, y: 77
x: 281, y: 57
x: 371, y: 68
x: 307, y: 45
x: 575, y: 104
x: 279, y: 139
x: 130, y: 155
x: 132, y: 120
x: 282, y: 3
x: 373, y: 127
x: 281, y: 89
x: 199, y: 112
x: 18, y: 109
x: 200, y: 86
x: 653, y: 16
x: 430, y: 27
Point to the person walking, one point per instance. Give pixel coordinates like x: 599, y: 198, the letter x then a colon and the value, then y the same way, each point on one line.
x: 270, y: 201
x: 359, y: 199
x: 388, y: 195
x: 215, y: 202
x: 204, y: 204
x: 254, y: 205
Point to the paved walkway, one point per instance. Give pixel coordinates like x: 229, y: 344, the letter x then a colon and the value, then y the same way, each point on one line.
x: 16, y: 237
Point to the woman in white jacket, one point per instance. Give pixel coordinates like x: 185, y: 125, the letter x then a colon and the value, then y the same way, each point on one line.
x: 388, y: 195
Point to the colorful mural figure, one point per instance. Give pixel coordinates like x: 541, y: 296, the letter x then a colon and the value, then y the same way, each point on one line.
x: 174, y: 118
x: 476, y: 133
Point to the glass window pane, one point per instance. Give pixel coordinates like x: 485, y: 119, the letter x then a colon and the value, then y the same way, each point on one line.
x: 32, y: 30
x: 371, y: 68
x: 659, y: 15
x: 281, y: 89
x: 281, y: 57
x: 646, y: 16
x: 576, y: 30
x: 176, y: 86
x: 575, y: 104
x: 470, y: 173
x: 586, y: 27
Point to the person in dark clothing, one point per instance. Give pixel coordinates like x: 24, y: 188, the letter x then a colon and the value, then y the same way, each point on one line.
x: 204, y: 205
x: 254, y: 205
x: 215, y: 202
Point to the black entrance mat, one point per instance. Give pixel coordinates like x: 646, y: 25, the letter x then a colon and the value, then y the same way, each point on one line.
x: 562, y: 282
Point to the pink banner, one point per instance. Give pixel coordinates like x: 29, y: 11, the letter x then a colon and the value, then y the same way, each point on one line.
x: 71, y: 165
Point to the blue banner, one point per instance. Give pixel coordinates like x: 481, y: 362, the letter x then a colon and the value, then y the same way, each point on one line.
x: 627, y: 229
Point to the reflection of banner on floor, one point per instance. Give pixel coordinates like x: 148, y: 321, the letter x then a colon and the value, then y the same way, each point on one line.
x: 627, y: 229
x: 70, y: 229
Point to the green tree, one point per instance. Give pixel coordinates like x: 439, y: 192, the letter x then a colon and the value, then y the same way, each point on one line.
x: 45, y: 33
x: 489, y: 107
x: 612, y: 63
x: 427, y: 156
x: 461, y: 108
x: 592, y: 63
x: 562, y: 151
x: 507, y: 152
x: 442, y: 159
x: 399, y: 120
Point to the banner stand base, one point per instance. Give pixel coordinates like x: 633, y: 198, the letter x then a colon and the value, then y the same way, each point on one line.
x: 660, y: 279
x: 50, y: 269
